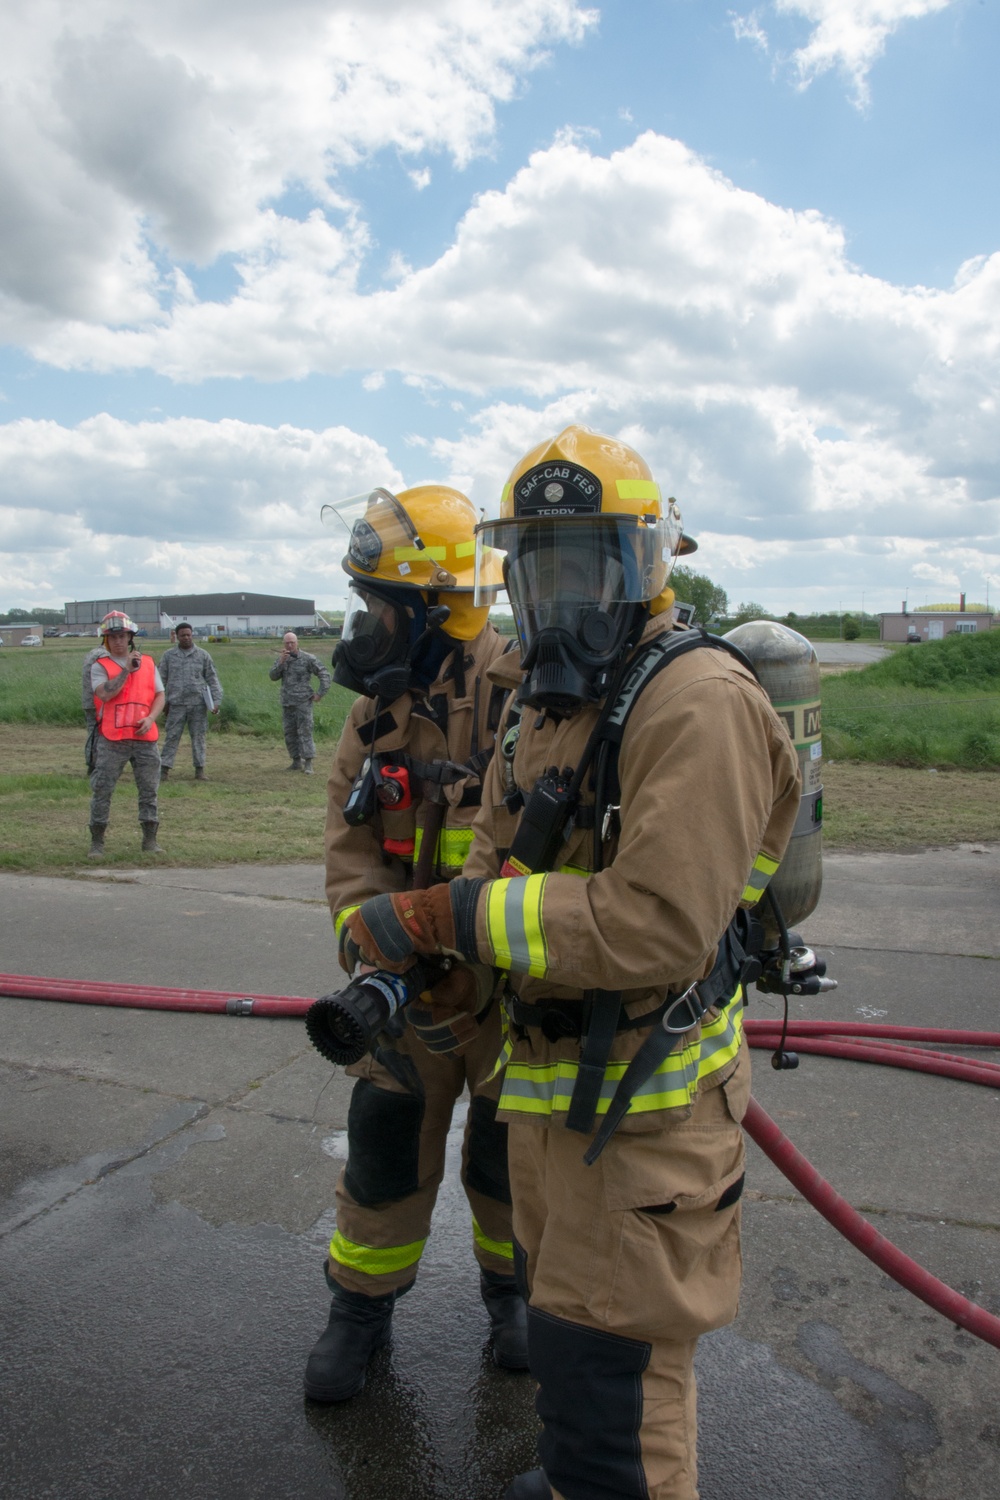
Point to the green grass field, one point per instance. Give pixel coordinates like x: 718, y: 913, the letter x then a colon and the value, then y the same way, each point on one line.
x: 932, y: 706
x: 41, y: 685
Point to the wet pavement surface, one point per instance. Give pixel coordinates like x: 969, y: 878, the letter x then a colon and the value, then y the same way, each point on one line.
x: 165, y: 1192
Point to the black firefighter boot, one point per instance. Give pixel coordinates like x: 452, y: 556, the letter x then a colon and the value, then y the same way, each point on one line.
x: 335, y: 1369
x: 530, y: 1486
x: 509, y: 1317
x: 97, y: 832
x: 149, y: 844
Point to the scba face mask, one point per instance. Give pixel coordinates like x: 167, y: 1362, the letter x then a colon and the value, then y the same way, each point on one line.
x: 391, y: 641
x: 578, y: 587
x: 586, y: 544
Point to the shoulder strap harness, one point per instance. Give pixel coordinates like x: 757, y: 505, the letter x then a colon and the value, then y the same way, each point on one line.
x: 598, y: 1017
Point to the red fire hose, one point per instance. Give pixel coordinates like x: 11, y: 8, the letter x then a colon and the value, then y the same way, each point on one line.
x: 888, y: 1045
x: 150, y: 997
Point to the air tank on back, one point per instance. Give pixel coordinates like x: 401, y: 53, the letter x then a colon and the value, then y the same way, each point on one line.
x: 789, y: 672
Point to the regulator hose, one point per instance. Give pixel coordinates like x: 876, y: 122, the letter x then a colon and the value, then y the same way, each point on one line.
x: 888, y: 1045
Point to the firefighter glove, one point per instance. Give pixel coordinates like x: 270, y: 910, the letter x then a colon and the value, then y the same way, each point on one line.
x: 391, y: 929
x: 447, y: 1017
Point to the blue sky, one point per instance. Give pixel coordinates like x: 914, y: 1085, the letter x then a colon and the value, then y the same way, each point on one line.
x: 389, y: 242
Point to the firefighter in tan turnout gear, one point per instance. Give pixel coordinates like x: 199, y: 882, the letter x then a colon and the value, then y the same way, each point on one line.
x: 641, y: 797
x: 404, y: 788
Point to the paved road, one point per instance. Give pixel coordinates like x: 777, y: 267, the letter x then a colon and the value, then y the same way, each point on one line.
x: 164, y: 1203
x: 848, y: 653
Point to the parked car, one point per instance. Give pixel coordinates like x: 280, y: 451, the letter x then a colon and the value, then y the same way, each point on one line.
x: 50, y: 630
x: 31, y: 640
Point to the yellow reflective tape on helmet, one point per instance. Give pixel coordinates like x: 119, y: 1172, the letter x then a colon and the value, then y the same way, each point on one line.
x: 763, y: 868
x: 419, y: 554
x: 514, y: 926
x: 372, y: 1261
x: 342, y: 916
x: 637, y: 489
x: 465, y: 549
x: 543, y: 1089
x: 504, y: 1248
x: 453, y: 846
x: 505, y: 492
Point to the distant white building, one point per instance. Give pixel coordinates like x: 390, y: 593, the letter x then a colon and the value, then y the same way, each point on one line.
x: 209, y: 614
x: 935, y: 624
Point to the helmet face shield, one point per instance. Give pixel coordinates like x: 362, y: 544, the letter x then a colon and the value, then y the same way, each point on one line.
x: 378, y: 533
x: 559, y: 570
x: 116, y: 622
x: 577, y: 585
x: 421, y: 538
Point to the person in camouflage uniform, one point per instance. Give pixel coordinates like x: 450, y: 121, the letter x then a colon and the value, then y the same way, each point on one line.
x: 87, y: 687
x: 127, y: 698
x: 87, y: 704
x: 293, y: 669
x: 189, y: 679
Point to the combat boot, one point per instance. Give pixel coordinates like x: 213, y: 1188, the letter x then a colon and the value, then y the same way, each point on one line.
x: 97, y: 832
x: 307, y: 767
x: 199, y: 773
x: 509, y: 1317
x: 149, y: 844
x: 296, y: 765
x: 358, y: 1325
x: 530, y: 1486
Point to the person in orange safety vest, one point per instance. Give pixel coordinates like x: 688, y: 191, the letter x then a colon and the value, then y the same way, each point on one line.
x: 128, y: 699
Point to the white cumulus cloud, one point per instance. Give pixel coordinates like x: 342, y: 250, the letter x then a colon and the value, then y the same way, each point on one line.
x: 134, y: 135
x: 850, y: 35
x: 180, y: 504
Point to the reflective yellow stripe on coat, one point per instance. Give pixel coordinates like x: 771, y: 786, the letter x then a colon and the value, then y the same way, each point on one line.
x: 546, y: 1088
x: 763, y: 868
x: 342, y: 916
x: 514, y: 924
x: 452, y: 847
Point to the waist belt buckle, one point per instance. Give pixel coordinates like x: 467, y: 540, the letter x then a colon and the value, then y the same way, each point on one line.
x: 557, y: 1024
x: 691, y: 1001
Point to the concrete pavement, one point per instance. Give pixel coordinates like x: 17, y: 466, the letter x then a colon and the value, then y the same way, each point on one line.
x: 848, y: 653
x: 164, y: 1205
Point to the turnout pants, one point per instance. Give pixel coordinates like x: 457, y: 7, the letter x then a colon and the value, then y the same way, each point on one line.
x: 297, y: 723
x: 396, y: 1159
x: 195, y: 716
x: 626, y: 1263
x: 110, y: 760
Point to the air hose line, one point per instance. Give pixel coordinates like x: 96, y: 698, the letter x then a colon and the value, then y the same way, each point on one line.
x: 890, y: 1046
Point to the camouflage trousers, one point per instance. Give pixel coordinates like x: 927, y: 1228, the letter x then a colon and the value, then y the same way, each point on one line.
x: 195, y: 716
x: 297, y: 722
x: 110, y: 761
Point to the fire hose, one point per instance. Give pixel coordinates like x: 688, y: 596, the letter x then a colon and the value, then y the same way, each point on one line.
x: 892, y: 1046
